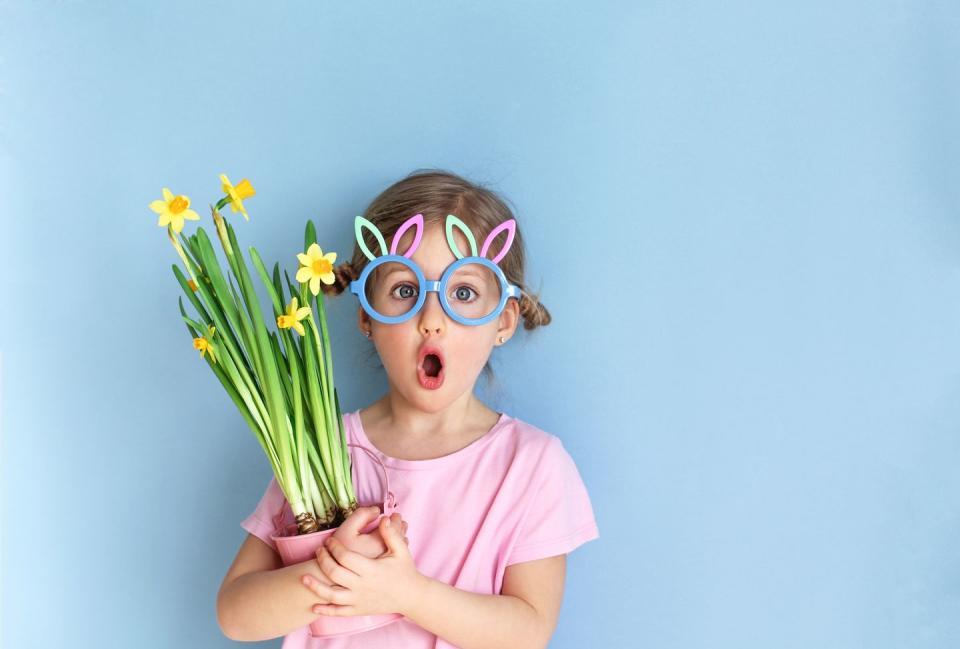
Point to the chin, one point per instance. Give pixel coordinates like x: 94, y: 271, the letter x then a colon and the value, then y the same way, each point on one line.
x: 434, y: 400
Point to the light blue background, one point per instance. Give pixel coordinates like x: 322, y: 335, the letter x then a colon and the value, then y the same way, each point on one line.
x: 743, y: 218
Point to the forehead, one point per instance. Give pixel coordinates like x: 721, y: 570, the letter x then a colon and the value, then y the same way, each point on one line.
x: 433, y: 253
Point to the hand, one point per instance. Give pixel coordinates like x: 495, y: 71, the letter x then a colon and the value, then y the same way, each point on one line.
x: 369, y: 545
x: 364, y: 586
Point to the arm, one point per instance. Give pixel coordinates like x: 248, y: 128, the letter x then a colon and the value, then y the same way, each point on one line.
x: 268, y: 601
x: 260, y: 598
x: 523, y: 616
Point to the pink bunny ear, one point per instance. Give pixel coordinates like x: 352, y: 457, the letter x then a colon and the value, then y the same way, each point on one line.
x: 415, y: 220
x: 510, y: 225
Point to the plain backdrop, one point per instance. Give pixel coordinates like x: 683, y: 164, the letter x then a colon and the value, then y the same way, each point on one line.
x: 742, y: 216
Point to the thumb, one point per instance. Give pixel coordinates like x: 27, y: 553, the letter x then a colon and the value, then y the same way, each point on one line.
x: 359, y: 519
x: 393, y: 537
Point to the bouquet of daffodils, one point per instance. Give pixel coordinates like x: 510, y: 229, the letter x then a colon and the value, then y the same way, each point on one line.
x: 282, y: 383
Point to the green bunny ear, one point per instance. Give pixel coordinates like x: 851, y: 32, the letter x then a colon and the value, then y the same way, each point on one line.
x: 359, y: 224
x: 454, y: 221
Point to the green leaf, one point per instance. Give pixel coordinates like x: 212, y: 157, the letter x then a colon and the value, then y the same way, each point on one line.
x: 182, y: 279
x: 271, y: 381
x: 277, y: 285
x: 275, y: 295
x: 190, y: 250
x: 309, y: 235
x: 190, y: 328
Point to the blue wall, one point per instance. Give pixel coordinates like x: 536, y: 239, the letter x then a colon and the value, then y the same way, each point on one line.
x: 744, y: 220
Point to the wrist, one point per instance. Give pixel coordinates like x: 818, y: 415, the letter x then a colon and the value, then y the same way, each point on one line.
x: 416, y: 596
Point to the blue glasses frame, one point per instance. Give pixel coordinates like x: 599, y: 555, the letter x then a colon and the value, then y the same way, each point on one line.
x: 426, y: 286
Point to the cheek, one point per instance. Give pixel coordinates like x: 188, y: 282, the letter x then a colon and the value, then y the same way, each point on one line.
x: 474, y: 351
x: 397, y: 347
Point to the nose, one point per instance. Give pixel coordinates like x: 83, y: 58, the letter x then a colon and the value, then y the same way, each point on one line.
x: 432, y: 315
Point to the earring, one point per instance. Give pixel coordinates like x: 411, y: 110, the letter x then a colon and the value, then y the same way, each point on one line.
x: 502, y: 340
x: 367, y: 333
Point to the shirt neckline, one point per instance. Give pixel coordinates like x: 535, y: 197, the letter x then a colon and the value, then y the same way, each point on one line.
x: 415, y: 465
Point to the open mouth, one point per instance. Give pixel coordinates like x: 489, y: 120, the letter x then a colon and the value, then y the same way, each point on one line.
x: 430, y: 370
x: 432, y: 365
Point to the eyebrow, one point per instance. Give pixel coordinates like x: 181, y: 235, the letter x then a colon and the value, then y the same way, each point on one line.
x: 475, y: 273
x: 397, y: 270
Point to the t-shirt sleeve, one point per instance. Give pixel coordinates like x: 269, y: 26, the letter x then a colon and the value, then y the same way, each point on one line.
x: 559, y: 516
x: 260, y: 522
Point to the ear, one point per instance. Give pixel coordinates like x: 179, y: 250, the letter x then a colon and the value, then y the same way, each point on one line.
x: 510, y: 225
x: 509, y: 318
x: 414, y: 221
x: 453, y: 221
x: 359, y: 224
x: 364, y: 321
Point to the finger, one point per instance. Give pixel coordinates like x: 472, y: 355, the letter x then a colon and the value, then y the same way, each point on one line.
x: 358, y: 520
x: 397, y: 519
x: 328, y: 594
x: 323, y: 561
x: 332, y: 610
x: 353, y: 562
x: 336, y: 572
x: 321, y: 551
x: 393, y: 538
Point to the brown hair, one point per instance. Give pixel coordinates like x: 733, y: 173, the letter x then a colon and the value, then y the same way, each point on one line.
x: 436, y: 193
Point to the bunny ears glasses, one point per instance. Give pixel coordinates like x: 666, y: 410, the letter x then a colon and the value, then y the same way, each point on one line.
x: 473, y: 290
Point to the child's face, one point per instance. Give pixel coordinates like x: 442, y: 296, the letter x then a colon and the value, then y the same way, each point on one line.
x: 465, y: 348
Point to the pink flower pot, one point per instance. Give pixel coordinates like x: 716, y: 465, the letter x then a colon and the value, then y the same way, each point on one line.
x: 296, y: 548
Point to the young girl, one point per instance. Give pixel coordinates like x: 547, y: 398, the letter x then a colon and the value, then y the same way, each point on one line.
x: 491, y: 504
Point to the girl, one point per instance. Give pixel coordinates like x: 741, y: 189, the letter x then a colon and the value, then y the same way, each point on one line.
x: 492, y: 503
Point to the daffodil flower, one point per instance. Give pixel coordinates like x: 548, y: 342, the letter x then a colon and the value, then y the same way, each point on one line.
x: 235, y: 195
x: 316, y: 267
x: 304, y: 444
x: 205, y: 344
x: 293, y: 317
x: 173, y: 210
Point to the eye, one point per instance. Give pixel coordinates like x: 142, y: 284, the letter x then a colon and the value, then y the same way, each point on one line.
x: 463, y: 291
x: 404, y: 294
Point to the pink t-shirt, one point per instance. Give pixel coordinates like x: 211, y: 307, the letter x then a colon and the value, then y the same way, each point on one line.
x: 513, y: 495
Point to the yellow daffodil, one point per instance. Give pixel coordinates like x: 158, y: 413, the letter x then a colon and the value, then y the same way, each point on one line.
x: 206, y: 344
x: 235, y: 195
x: 316, y: 267
x: 293, y: 317
x: 173, y: 210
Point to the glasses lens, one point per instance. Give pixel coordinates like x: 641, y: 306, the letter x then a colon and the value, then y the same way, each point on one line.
x: 392, y: 289
x: 473, y: 291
